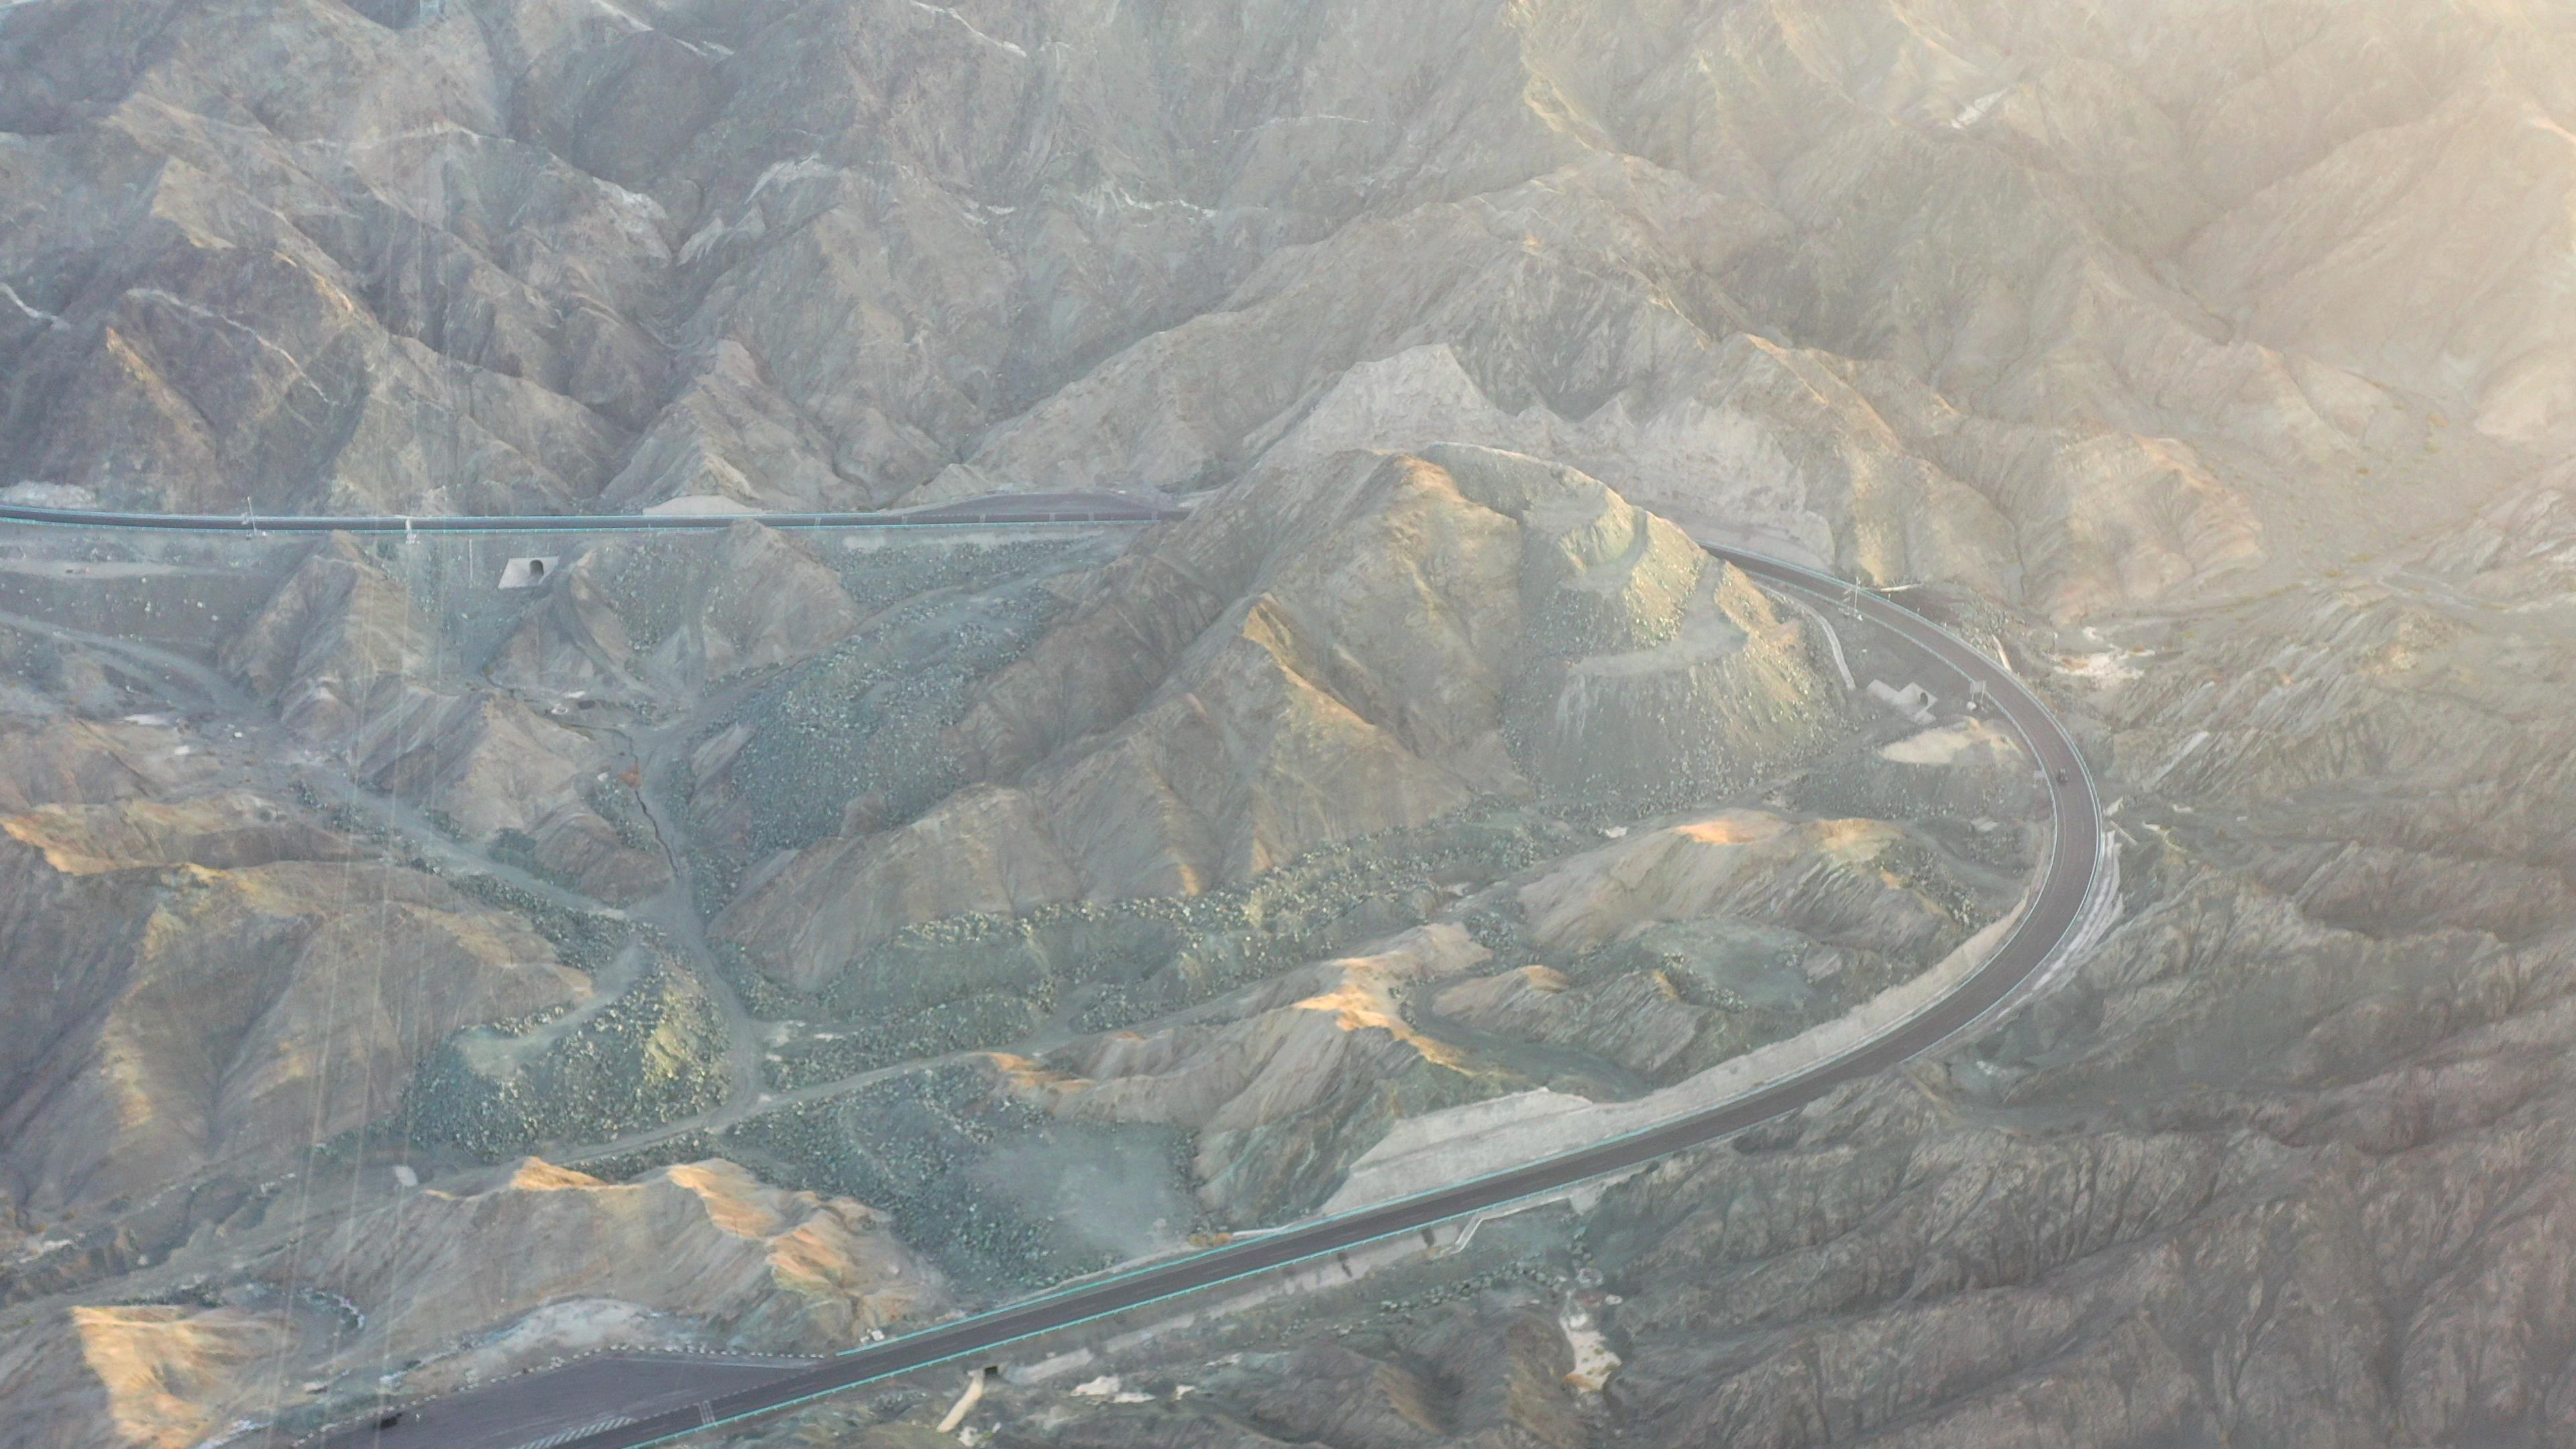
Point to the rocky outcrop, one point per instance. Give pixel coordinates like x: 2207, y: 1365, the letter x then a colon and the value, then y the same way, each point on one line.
x: 659, y: 619
x: 89, y: 762
x: 1659, y: 675
x: 352, y: 661
x: 355, y: 664
x: 1674, y: 949
x: 471, y: 1286
x: 760, y: 1265
x: 157, y: 1376
x: 1836, y: 880
x: 1640, y: 1020
x: 219, y: 981
x: 223, y: 832
x: 730, y: 439
x: 1300, y: 1081
x: 985, y: 850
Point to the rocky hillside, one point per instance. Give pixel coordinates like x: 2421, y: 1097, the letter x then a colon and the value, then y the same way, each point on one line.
x: 176, y: 968
x: 356, y: 664
x: 2072, y: 305
x: 571, y: 1264
x: 2280, y: 1162
x: 872, y: 926
x: 1031, y: 903
x: 1366, y: 644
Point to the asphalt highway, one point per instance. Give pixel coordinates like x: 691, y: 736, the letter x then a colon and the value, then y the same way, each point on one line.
x: 1000, y: 509
x: 2048, y: 920
x: 627, y: 1402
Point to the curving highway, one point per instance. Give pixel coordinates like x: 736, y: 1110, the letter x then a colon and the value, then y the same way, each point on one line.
x: 629, y: 1401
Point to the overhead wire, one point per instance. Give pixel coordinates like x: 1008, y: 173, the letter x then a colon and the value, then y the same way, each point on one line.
x: 426, y: 615
x: 376, y: 710
x: 380, y: 930
x: 295, y: 1286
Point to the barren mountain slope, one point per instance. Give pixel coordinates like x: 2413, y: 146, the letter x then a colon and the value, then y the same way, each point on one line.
x: 2072, y: 304
x: 2282, y: 1162
x: 691, y: 1254
x: 356, y: 666
x: 1470, y: 781
x: 1366, y: 644
x: 179, y: 969
x: 1011, y: 905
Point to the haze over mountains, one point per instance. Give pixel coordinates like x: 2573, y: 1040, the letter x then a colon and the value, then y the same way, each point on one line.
x: 755, y: 939
x: 2075, y: 304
